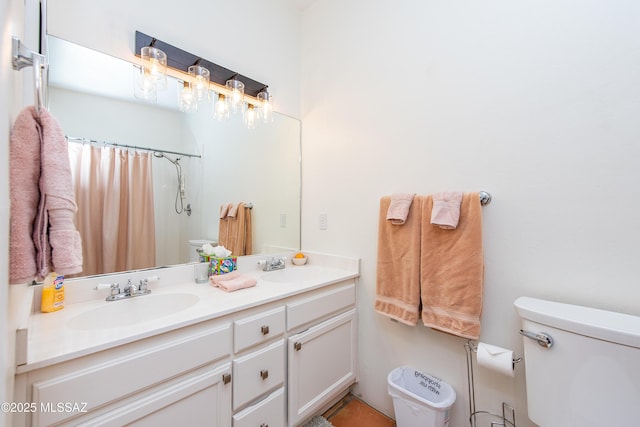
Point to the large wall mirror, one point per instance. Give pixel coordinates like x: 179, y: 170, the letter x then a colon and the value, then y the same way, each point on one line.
x: 91, y: 95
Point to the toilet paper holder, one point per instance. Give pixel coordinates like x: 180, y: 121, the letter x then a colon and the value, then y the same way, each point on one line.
x: 474, y: 347
x: 508, y: 416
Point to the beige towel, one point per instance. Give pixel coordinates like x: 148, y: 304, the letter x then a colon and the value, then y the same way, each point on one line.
x: 398, y: 265
x: 446, y: 209
x: 235, y: 231
x: 452, y: 271
x: 224, y: 210
x: 399, y: 208
x: 233, y: 210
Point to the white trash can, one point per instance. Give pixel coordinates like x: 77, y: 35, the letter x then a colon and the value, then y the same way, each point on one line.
x: 420, y: 400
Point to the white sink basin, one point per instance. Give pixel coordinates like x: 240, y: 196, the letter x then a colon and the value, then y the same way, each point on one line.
x: 298, y: 274
x: 116, y: 314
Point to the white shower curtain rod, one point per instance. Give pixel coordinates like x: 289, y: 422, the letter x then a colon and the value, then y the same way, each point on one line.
x: 113, y: 144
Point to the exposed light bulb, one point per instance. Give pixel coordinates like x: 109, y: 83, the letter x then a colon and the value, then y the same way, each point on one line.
x: 221, y: 108
x: 236, y: 88
x: 250, y: 116
x: 144, y: 87
x: 199, y: 82
x: 265, y: 110
x: 154, y: 66
x: 187, y: 99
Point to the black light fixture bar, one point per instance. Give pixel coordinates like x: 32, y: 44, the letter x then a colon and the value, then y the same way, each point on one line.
x: 181, y: 60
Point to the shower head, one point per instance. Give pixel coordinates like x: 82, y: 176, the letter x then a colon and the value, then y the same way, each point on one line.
x: 160, y: 155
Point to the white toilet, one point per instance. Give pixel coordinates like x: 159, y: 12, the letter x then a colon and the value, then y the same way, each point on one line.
x: 587, y: 373
x: 196, y: 244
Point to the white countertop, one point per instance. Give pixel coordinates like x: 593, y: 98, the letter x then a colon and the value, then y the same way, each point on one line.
x: 59, y: 336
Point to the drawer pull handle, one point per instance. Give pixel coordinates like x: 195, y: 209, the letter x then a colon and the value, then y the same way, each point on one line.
x: 226, y: 378
x: 264, y: 425
x: 264, y: 374
x: 297, y: 346
x: 264, y: 329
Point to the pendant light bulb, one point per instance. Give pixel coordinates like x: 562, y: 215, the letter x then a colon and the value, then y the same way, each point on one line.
x: 221, y: 108
x: 187, y: 99
x: 199, y: 82
x: 154, y: 66
x: 236, y: 90
x: 250, y: 116
x: 265, y: 110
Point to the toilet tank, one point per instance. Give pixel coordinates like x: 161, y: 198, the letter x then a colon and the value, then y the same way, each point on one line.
x: 590, y: 376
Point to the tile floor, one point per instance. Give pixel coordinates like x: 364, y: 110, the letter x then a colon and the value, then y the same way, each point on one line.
x: 352, y: 412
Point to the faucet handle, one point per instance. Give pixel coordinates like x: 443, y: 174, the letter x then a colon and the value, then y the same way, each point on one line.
x: 131, y: 288
x: 102, y: 286
x: 114, y: 287
x: 143, y: 288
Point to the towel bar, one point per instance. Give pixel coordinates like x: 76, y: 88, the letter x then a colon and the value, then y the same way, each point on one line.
x: 485, y: 198
x: 22, y: 57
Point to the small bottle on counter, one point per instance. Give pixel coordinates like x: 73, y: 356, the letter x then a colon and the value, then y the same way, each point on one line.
x: 52, y: 293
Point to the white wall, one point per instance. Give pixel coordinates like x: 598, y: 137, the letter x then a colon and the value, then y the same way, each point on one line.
x: 7, y: 342
x: 535, y: 102
x: 16, y: 87
x: 258, y: 39
x: 532, y: 101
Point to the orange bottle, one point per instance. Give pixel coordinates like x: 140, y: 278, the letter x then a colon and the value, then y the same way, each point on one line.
x: 52, y: 293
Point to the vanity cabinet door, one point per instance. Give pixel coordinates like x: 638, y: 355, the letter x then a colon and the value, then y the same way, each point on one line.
x: 200, y: 398
x: 322, y: 364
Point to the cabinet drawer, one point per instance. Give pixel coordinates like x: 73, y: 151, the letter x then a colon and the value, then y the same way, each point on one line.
x: 258, y: 329
x: 321, y: 305
x: 257, y: 373
x: 130, y: 373
x: 269, y: 412
x: 200, y: 395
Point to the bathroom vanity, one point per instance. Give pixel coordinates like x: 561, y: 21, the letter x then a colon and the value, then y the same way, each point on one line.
x: 271, y: 355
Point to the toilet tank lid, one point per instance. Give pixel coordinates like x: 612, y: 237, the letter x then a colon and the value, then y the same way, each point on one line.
x: 200, y: 242
x: 610, y: 326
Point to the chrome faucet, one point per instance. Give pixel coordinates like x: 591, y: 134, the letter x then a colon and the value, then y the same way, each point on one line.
x: 273, y: 263
x: 131, y: 290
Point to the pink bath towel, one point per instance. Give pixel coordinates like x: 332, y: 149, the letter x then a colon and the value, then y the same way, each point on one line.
x: 399, y: 208
x: 446, y: 210
x: 24, y: 173
x: 43, y: 234
x: 240, y: 282
x: 215, y: 280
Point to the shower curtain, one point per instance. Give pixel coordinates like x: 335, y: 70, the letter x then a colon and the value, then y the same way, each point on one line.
x: 114, y: 194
